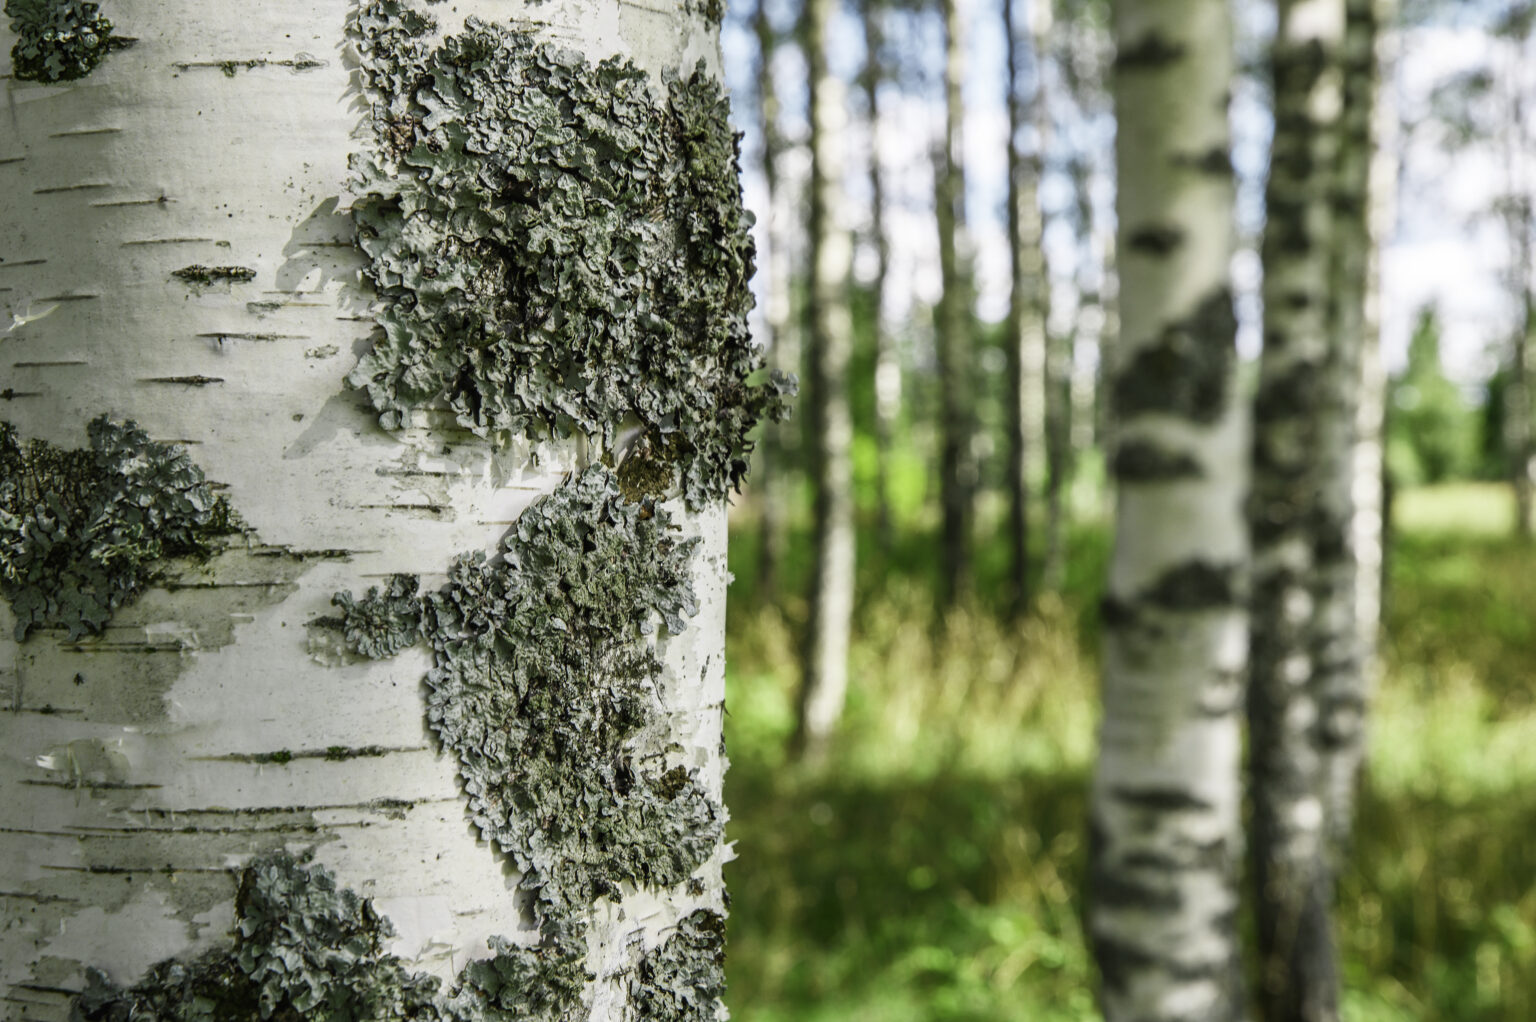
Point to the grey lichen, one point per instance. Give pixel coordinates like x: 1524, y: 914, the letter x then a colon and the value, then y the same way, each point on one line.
x: 684, y: 979
x: 545, y: 688
x: 382, y: 624
x: 59, y: 40
x: 81, y: 531
x: 555, y: 250
x: 305, y: 948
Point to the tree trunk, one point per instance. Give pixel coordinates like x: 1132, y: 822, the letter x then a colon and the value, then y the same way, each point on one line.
x: 1303, y: 608
x: 887, y: 370
x: 782, y: 340
x: 1025, y: 340
x: 825, y: 670
x: 957, y: 471
x: 1520, y: 216
x: 203, y: 759
x: 1165, y: 831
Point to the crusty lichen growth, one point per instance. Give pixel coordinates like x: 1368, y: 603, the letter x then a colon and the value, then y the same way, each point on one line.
x: 544, y: 686
x: 555, y: 250
x: 82, y: 530
x: 684, y: 979
x: 305, y: 948
x: 382, y: 624
x: 58, y: 40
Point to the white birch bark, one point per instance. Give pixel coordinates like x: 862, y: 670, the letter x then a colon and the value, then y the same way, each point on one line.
x: 1303, y: 608
x: 1165, y: 831
x: 825, y: 681
x: 128, y: 790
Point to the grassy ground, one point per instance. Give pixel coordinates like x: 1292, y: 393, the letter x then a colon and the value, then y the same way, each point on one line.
x: 932, y: 868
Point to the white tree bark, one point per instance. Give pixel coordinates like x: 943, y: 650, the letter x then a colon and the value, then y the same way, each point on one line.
x: 1165, y: 831
x: 143, y: 767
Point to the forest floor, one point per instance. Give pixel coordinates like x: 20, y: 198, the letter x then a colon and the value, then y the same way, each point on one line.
x: 932, y: 867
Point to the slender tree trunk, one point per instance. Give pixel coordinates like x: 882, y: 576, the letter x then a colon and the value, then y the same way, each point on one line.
x: 1520, y: 433
x: 957, y: 471
x: 199, y: 756
x: 825, y: 681
x: 1165, y: 831
x: 1349, y: 580
x: 774, y: 463
x: 1025, y: 340
x: 887, y: 371
x: 1302, y: 627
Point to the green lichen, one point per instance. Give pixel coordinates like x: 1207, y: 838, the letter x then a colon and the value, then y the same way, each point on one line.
x: 81, y: 531
x: 544, y: 687
x: 305, y: 948
x: 382, y: 624
x: 555, y: 250
x: 684, y: 979
x: 59, y: 40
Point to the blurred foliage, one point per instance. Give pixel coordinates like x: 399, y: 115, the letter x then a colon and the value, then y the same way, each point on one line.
x: 1433, y: 433
x: 932, y: 868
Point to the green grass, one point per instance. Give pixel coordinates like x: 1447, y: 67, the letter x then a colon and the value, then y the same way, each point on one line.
x: 931, y: 868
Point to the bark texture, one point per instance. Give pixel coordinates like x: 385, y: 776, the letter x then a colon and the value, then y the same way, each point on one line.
x: 1303, y: 629
x: 1025, y: 339
x: 957, y: 469
x: 1165, y: 803
x: 223, y: 750
x: 825, y: 672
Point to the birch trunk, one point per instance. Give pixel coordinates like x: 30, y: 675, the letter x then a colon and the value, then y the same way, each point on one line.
x: 1165, y: 831
x: 212, y: 721
x: 1302, y: 627
x: 887, y: 369
x: 782, y: 341
x: 825, y: 680
x: 956, y: 422
x: 1025, y: 339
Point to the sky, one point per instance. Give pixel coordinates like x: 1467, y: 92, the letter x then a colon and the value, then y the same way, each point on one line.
x: 1442, y: 248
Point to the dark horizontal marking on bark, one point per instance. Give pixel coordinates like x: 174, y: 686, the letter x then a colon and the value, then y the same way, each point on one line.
x: 303, y: 62
x: 354, y: 319
x: 10, y: 394
x: 166, y: 870
x: 173, y: 587
x: 1119, y: 960
x: 85, y: 131
x: 21, y: 262
x: 226, y: 336
x: 166, y: 241
x: 334, y: 243
x: 42, y: 988
x: 280, y: 828
x: 1216, y: 161
x: 433, y: 509
x: 189, y: 381
x: 161, y: 201
x: 1158, y: 239
x: 1141, y: 461
x: 1187, y: 369
x: 49, y: 710
x: 415, y: 473
x: 200, y: 274
x: 41, y: 899
x: 377, y: 805
x: 1118, y: 892
x: 334, y: 554
x: 333, y: 754
x: 11, y: 159
x: 49, y: 365
x: 68, y: 188
x: 69, y: 298
x: 1150, y: 52
x: 1195, y: 586
x: 125, y: 647
x: 93, y: 785
x: 1160, y: 799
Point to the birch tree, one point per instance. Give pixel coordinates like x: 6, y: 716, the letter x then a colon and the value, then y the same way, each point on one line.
x: 825, y: 670
x: 1303, y: 610
x: 375, y: 375
x: 1164, y: 816
x: 953, y: 326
